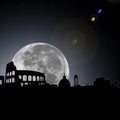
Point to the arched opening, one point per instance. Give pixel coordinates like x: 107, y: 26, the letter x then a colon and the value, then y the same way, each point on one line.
x: 34, y: 78
x: 13, y: 72
x: 29, y: 78
x: 0, y: 82
x: 21, y: 84
x: 24, y: 78
x: 38, y: 78
x: 10, y: 73
x: 41, y: 79
x: 20, y: 77
x: 10, y: 80
x: 13, y: 80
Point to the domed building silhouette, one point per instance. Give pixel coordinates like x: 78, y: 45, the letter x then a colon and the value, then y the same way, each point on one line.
x: 64, y: 83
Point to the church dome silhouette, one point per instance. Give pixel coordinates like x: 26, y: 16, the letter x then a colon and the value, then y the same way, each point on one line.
x: 64, y: 83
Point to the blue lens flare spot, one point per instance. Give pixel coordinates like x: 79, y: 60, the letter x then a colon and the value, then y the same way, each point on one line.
x: 100, y: 11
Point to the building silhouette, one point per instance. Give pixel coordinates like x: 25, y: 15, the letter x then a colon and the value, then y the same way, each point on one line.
x: 31, y: 78
x: 27, y: 78
x: 11, y: 78
x: 101, y: 82
x: 17, y: 78
x: 64, y: 83
x: 76, y: 82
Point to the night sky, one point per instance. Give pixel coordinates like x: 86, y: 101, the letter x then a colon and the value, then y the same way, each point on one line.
x: 87, y: 32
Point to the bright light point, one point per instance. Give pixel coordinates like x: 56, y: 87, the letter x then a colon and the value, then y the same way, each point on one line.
x: 99, y: 11
x: 93, y: 19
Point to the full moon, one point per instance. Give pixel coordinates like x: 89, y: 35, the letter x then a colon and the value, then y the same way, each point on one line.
x: 44, y: 58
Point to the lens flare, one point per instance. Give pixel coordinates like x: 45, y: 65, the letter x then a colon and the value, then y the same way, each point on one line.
x: 100, y: 11
x: 93, y: 19
x: 78, y: 40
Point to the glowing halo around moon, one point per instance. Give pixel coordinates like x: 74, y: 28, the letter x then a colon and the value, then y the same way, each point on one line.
x: 45, y: 58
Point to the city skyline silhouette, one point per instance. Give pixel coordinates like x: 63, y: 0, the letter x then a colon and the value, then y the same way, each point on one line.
x: 14, y: 78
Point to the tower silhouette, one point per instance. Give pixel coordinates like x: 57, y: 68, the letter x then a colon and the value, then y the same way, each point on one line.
x: 11, y: 78
x: 76, y: 82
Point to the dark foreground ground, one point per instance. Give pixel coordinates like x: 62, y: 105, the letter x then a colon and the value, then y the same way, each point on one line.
x: 56, y: 95
x: 49, y: 103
